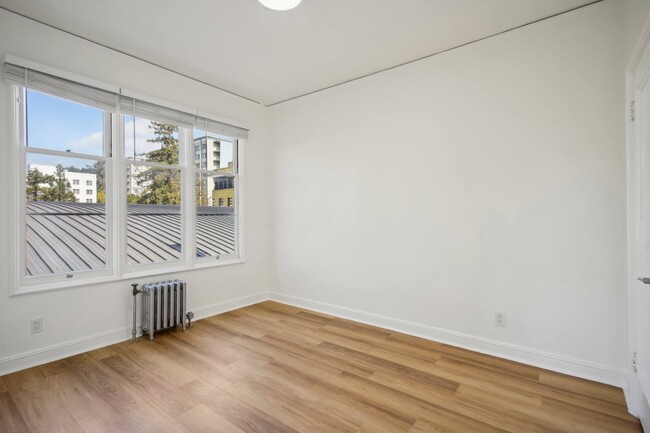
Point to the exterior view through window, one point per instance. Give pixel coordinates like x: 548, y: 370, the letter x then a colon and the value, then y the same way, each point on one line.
x: 65, y: 228
x: 98, y: 204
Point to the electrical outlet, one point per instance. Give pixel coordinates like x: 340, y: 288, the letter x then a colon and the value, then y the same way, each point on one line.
x: 36, y: 325
x: 500, y: 319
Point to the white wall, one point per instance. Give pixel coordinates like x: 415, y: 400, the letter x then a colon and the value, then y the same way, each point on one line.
x: 95, y: 315
x: 489, y: 178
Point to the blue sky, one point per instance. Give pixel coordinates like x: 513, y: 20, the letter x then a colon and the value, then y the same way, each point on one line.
x: 59, y: 124
x: 54, y: 123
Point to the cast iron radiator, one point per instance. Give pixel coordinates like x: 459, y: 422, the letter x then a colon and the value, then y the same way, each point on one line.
x: 164, y: 306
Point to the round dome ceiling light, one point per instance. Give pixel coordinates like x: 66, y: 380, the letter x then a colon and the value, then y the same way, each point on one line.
x: 280, y: 5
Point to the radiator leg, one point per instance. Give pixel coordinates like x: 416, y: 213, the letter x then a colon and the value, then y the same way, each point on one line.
x: 189, y: 316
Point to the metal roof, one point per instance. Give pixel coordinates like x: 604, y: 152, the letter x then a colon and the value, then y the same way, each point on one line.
x: 67, y: 237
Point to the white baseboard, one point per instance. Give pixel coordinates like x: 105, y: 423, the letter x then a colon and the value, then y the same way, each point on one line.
x: 224, y: 307
x: 550, y: 361
x: 63, y: 350
x: 74, y: 347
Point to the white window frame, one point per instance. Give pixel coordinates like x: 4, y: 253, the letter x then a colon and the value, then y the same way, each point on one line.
x: 116, y: 268
x: 20, y: 155
x: 236, y: 160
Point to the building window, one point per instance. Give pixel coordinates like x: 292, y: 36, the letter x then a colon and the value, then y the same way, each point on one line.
x: 167, y: 220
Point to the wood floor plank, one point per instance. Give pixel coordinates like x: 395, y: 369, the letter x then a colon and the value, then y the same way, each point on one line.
x: 201, y: 419
x: 168, y: 398
x: 238, y: 413
x: 10, y: 418
x: 276, y: 368
x: 42, y: 412
x: 582, y: 386
x: 88, y: 409
x: 137, y: 412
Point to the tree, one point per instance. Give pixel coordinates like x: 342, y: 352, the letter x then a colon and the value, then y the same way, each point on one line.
x: 60, y: 189
x: 161, y: 185
x: 38, y: 185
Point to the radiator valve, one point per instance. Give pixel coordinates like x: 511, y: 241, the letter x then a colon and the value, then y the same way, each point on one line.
x: 189, y: 317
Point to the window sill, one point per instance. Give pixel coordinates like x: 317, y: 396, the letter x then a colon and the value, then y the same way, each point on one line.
x: 60, y: 285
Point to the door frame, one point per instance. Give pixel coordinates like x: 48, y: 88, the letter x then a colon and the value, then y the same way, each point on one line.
x: 636, y: 402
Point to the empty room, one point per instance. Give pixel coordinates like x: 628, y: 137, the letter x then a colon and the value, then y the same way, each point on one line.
x: 369, y: 216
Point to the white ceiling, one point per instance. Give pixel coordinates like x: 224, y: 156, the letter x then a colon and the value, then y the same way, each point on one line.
x: 270, y: 56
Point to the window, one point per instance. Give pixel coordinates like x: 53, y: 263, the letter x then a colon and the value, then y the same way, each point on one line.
x: 216, y: 181
x: 154, y: 206
x: 167, y: 192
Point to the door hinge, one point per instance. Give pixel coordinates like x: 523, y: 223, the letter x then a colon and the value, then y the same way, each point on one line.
x: 632, y: 111
x: 634, y: 361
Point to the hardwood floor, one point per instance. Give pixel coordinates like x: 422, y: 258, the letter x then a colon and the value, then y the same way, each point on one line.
x: 276, y: 368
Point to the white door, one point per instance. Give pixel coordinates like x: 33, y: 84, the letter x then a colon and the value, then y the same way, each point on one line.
x: 640, y: 197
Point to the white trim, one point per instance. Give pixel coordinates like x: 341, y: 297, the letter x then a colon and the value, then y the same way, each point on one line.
x: 549, y: 361
x: 224, y: 307
x: 634, y: 397
x: 81, y: 345
x: 37, y: 288
x: 536, y: 358
x: 63, y: 350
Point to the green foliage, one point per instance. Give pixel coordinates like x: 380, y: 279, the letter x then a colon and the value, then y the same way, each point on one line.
x: 47, y: 187
x: 101, y: 196
x: 60, y: 189
x: 38, y: 184
x: 160, y: 185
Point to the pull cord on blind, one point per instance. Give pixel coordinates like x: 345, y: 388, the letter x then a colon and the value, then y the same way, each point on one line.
x: 110, y: 101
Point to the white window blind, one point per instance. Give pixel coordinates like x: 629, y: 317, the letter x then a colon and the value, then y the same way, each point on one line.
x: 221, y: 128
x: 109, y: 101
x: 61, y: 87
x: 147, y: 110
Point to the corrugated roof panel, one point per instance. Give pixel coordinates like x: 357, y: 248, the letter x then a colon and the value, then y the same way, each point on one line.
x: 67, y: 237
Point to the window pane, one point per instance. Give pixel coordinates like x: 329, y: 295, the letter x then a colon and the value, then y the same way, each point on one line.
x: 59, y: 124
x: 154, y: 225
x: 213, y: 152
x: 215, y: 215
x: 146, y: 140
x: 65, y: 226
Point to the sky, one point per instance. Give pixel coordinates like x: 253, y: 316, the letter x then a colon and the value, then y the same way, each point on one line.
x: 55, y: 123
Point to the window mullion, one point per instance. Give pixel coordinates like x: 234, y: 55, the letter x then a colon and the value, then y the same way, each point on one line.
x: 118, y: 196
x: 19, y: 174
x: 188, y: 199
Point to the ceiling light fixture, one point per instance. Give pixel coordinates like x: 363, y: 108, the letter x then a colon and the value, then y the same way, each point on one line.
x: 280, y: 5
